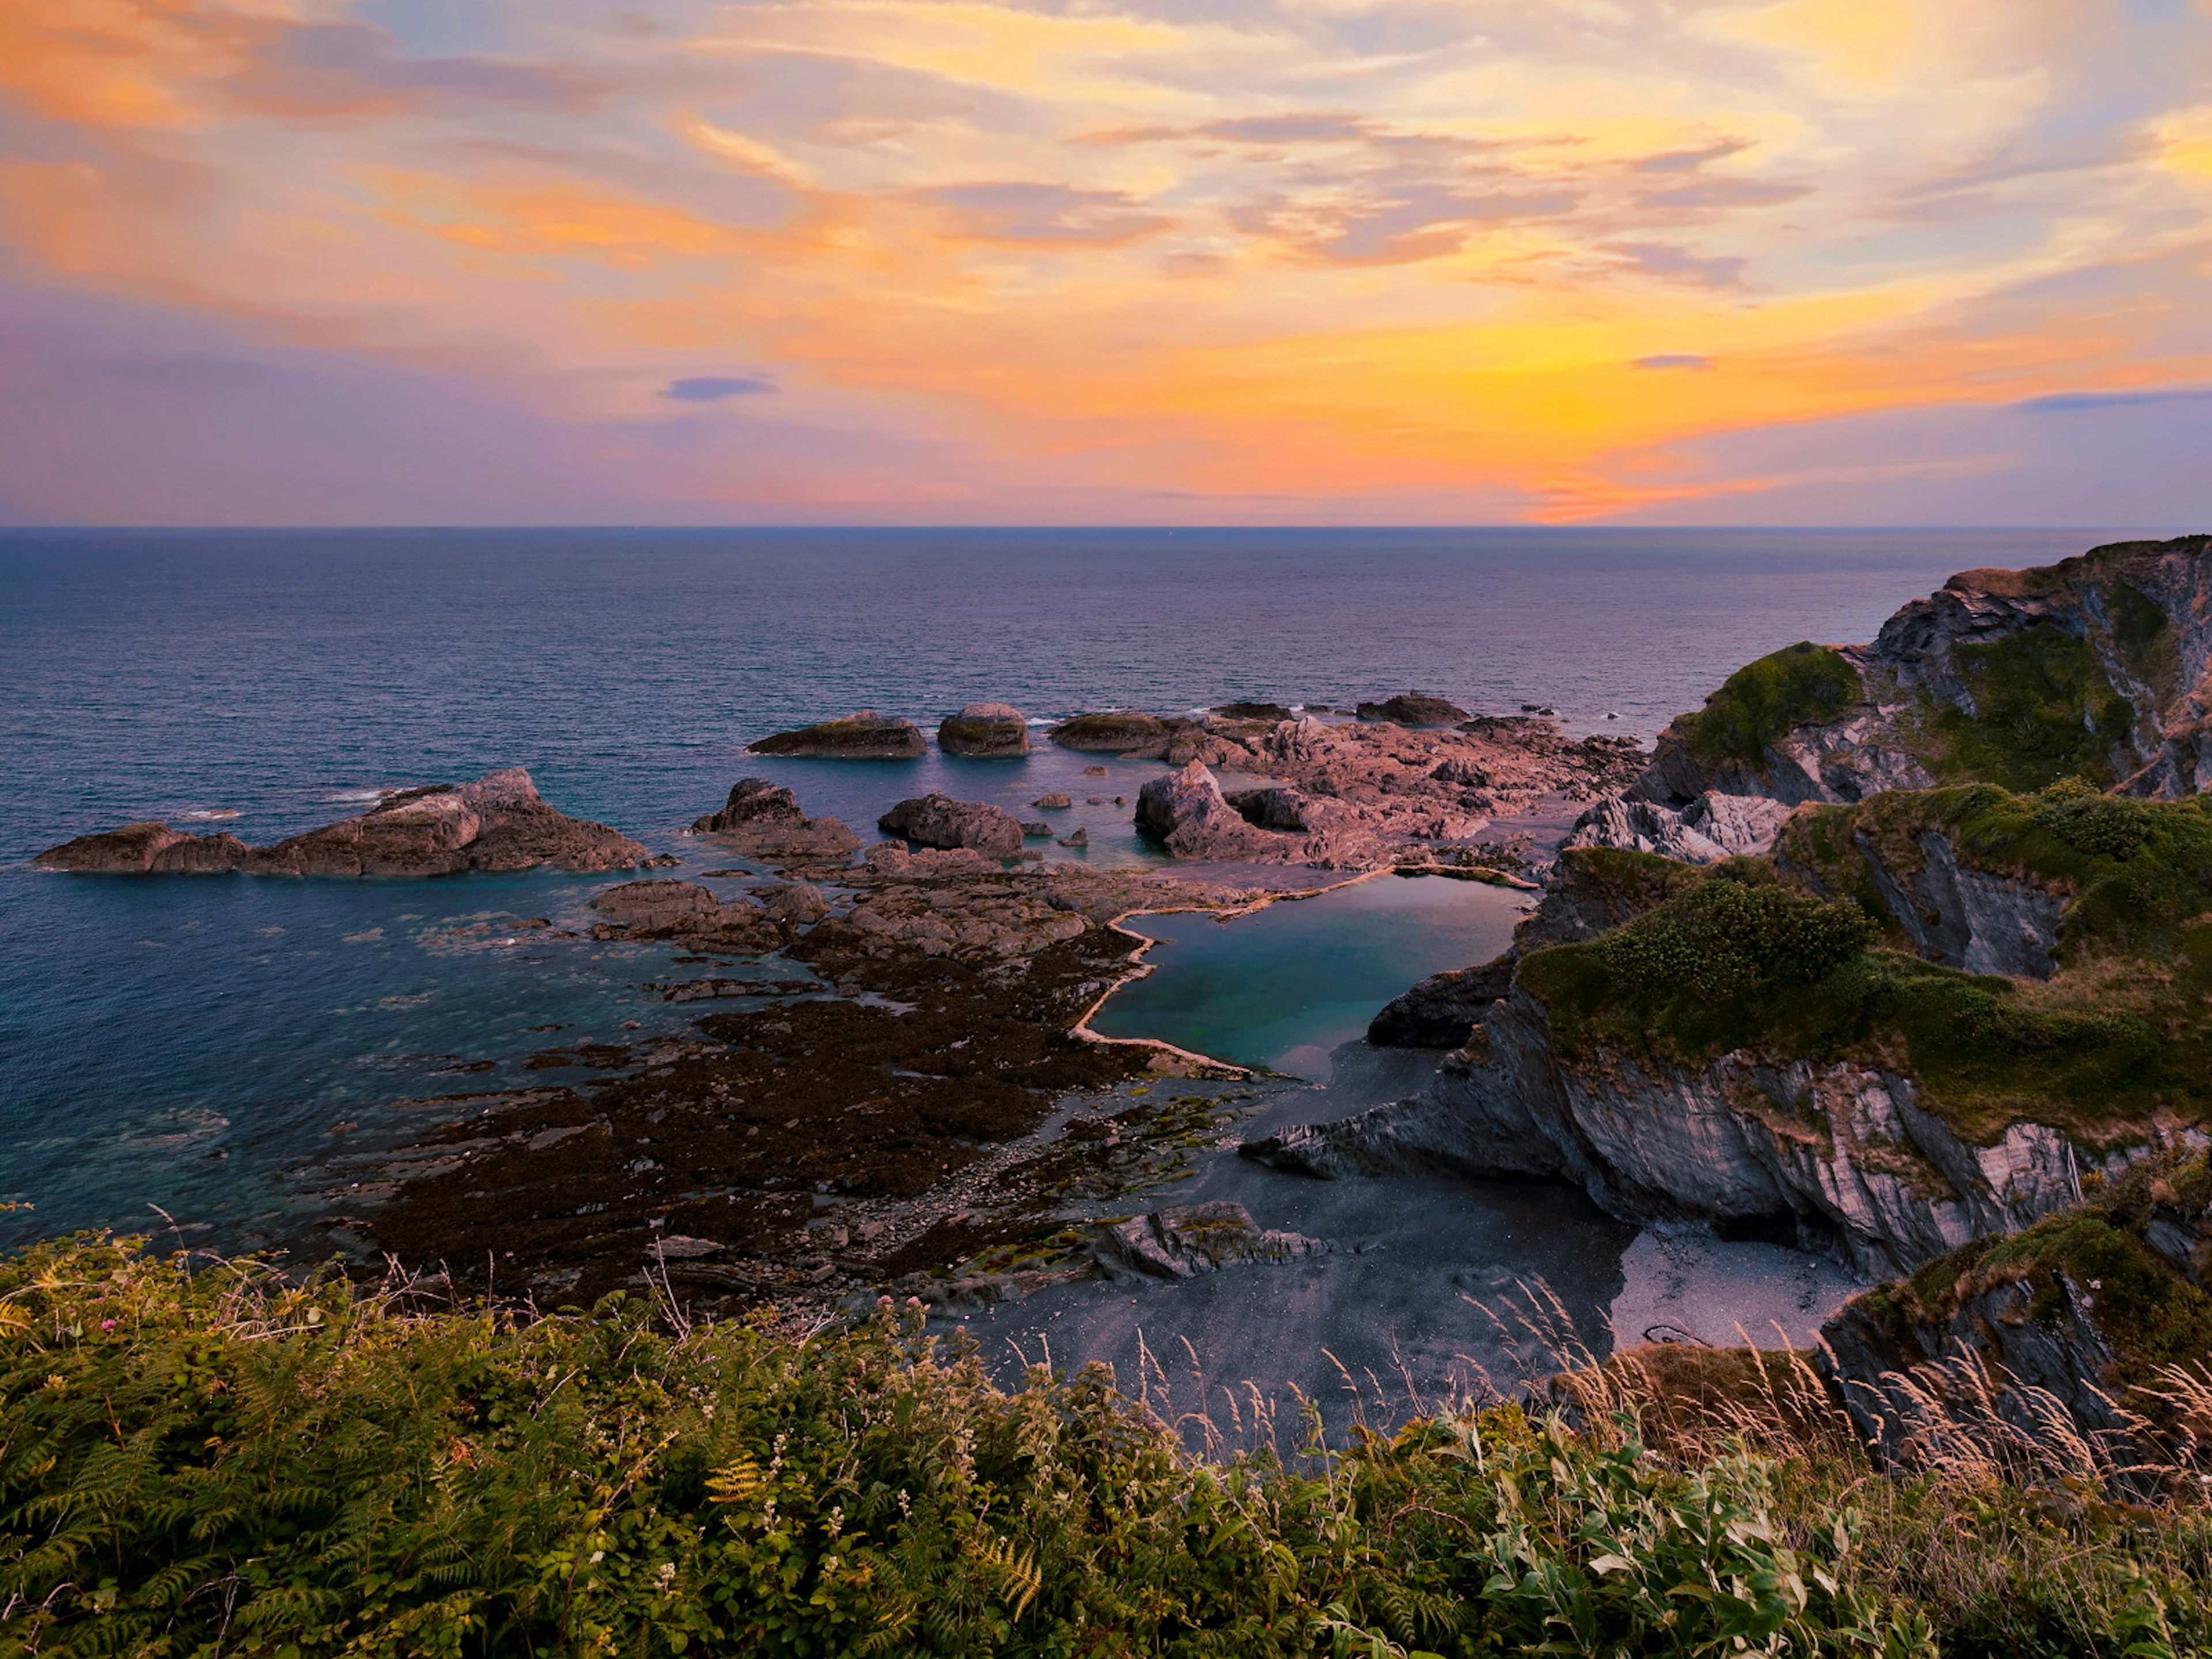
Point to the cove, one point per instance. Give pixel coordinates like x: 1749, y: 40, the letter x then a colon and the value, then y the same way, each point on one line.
x: 1282, y: 986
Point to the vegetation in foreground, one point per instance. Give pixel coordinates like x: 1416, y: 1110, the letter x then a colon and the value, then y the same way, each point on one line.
x: 1799, y: 955
x: 214, y: 1460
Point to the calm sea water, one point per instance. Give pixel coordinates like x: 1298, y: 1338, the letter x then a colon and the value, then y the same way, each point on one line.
x: 183, y: 1041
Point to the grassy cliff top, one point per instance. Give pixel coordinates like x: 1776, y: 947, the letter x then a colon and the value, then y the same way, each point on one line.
x: 220, y: 1461
x: 1803, y: 961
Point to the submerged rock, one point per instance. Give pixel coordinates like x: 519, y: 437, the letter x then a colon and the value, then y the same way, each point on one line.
x: 938, y: 820
x: 864, y: 735
x: 499, y: 822
x: 1413, y: 708
x: 985, y: 729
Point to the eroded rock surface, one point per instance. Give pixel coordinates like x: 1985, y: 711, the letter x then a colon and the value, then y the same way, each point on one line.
x: 499, y: 822
x: 1440, y: 1011
x: 762, y: 820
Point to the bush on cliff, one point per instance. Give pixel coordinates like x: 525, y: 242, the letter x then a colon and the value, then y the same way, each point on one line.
x: 223, y: 1462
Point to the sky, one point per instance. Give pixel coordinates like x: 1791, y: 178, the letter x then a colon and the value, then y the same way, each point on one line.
x: 1848, y: 262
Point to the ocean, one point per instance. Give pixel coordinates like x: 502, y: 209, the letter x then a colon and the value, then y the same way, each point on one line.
x: 176, y: 1046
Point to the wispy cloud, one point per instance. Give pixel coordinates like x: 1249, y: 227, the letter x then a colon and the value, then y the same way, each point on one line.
x: 1343, y: 258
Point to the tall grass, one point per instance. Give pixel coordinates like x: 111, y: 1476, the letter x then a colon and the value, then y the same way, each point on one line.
x: 214, y: 1459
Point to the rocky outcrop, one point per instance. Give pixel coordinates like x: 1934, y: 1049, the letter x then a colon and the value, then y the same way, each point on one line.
x: 1711, y: 828
x: 2100, y: 666
x: 1267, y: 714
x: 1841, y: 1155
x: 1413, y: 708
x: 1441, y: 1011
x: 1115, y: 731
x: 1967, y: 918
x: 762, y: 820
x: 864, y: 735
x: 985, y: 729
x: 1187, y: 1240
x: 1287, y: 811
x: 499, y: 822
x: 1185, y: 811
x: 935, y: 820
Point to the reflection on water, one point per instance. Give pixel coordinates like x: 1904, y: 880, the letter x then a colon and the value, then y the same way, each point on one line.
x: 1282, y: 986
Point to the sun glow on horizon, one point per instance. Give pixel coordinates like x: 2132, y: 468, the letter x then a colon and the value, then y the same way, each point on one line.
x: 1307, y: 260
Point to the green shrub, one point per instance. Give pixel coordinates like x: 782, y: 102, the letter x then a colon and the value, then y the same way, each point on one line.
x: 2043, y: 710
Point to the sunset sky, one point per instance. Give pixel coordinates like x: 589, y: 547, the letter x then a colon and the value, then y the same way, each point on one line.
x: 1169, y: 261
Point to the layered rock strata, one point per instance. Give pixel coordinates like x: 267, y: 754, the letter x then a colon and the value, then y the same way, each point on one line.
x: 499, y: 822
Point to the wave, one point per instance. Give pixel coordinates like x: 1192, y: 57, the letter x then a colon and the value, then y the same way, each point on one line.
x: 209, y: 815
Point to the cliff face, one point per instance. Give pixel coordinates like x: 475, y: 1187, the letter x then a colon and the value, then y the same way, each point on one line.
x: 1839, y: 1155
x: 2100, y: 667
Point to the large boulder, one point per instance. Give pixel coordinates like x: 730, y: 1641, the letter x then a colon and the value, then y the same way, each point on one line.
x: 1185, y: 810
x: 864, y: 735
x: 499, y: 822
x: 1442, y: 1010
x: 935, y: 820
x: 985, y: 729
x: 762, y: 820
x: 1116, y: 732
x: 1413, y: 708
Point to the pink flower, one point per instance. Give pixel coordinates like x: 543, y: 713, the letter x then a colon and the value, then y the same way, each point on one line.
x: 107, y: 1324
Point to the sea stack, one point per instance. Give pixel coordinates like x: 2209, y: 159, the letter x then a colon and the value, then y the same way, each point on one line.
x: 985, y: 729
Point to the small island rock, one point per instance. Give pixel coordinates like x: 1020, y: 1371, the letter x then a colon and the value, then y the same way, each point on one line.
x: 863, y: 735
x: 985, y: 729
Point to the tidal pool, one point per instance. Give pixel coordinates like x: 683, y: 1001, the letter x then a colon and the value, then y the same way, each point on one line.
x: 1282, y: 986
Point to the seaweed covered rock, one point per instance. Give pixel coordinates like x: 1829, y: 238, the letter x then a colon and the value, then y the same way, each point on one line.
x: 985, y: 729
x: 864, y: 735
x: 1186, y: 1240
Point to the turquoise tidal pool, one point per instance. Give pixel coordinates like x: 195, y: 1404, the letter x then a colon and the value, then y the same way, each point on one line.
x: 1283, y: 986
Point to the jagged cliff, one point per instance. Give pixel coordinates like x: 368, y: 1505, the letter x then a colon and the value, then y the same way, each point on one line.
x: 2100, y: 667
x: 1925, y: 1020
